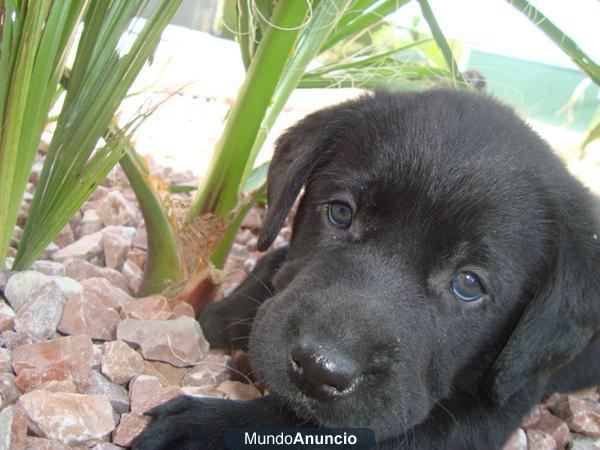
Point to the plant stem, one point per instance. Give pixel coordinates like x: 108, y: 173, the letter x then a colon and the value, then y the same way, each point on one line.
x: 325, y: 17
x: 361, y: 18
x: 563, y: 41
x: 441, y: 41
x: 219, y: 255
x: 219, y: 191
x: 163, y: 265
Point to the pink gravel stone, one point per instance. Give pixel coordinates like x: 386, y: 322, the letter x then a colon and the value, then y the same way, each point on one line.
x: 50, y: 268
x: 41, y: 314
x: 140, y: 240
x: 5, y: 360
x: 202, y: 391
x: 99, y: 193
x: 518, y: 441
x: 592, y: 394
x: 36, y: 443
x: 137, y: 257
x: 210, y: 372
x: 536, y: 440
x: 106, y: 446
x: 67, y: 358
x: 244, y: 236
x: 532, y: 417
x: 72, y: 419
x: 251, y: 244
x: 7, y: 316
x: 114, y: 209
x: 235, y: 274
x: 286, y: 233
x: 581, y: 414
x: 29, y: 379
x: 59, y: 386
x: 152, y: 371
x: 148, y: 308
x: 75, y: 221
x: 86, y: 247
x: 80, y: 269
x: 116, y: 242
x: 11, y: 339
x: 13, y: 427
x: 83, y: 315
x: 9, y: 392
x: 130, y: 427
x: 65, y: 237
x: 134, y: 276
x: 581, y: 442
x: 101, y: 290
x: 545, y: 430
x: 179, y: 342
x: 234, y: 390
x: 96, y: 356
x: 166, y: 373
x: 146, y: 392
x: 23, y: 213
x: 181, y: 309
x: 116, y: 394
x: 252, y: 221
x: 22, y: 286
x: 90, y: 223
x: 120, y: 362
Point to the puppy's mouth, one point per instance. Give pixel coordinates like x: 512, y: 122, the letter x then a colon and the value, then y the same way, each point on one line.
x: 311, y: 410
x: 342, y: 414
x: 339, y: 409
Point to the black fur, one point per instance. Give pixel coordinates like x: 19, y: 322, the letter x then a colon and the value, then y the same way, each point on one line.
x: 440, y: 181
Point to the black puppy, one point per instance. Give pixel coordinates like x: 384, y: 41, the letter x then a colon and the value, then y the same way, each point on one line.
x: 443, y: 277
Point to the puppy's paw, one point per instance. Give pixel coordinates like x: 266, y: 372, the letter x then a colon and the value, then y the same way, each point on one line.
x: 186, y: 423
x: 176, y: 406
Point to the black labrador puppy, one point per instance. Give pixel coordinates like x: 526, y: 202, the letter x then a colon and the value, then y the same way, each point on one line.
x: 443, y: 277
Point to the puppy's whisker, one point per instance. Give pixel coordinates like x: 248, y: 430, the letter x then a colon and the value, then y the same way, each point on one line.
x: 249, y: 297
x: 237, y: 321
x: 263, y: 284
x: 446, y: 410
x: 240, y: 338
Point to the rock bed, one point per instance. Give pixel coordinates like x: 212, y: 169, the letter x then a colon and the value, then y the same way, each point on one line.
x: 81, y: 358
x: 562, y: 422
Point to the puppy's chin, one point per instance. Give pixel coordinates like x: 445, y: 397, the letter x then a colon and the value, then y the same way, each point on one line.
x: 379, y: 405
x: 351, y: 413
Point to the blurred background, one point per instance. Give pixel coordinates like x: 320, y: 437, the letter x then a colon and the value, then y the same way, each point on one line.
x: 519, y: 63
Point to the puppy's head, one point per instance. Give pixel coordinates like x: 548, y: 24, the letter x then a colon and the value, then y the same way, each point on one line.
x: 438, y: 247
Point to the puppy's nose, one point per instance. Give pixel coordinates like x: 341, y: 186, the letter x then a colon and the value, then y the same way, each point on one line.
x: 321, y: 374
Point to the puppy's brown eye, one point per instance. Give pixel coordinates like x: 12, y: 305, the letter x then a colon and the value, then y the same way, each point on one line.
x: 467, y: 287
x: 339, y: 214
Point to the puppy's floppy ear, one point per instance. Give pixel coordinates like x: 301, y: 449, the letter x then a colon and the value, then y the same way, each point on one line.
x: 562, y: 317
x: 297, y: 153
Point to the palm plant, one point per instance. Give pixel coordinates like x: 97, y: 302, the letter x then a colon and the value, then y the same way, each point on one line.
x: 284, y: 46
x: 37, y: 37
